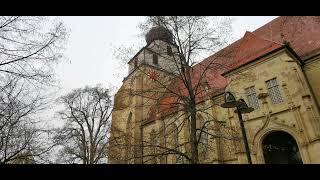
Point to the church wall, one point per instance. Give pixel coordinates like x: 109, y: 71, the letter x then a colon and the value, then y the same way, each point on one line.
x: 296, y: 113
x: 226, y: 147
x: 151, y: 154
x: 136, y: 96
x: 312, y: 70
x: 173, y: 125
x: 124, y: 105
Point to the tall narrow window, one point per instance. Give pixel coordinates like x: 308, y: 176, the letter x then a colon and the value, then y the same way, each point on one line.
x: 155, y: 59
x: 128, y: 138
x: 176, y: 143
x: 252, y: 97
x: 153, y: 142
x: 135, y: 63
x: 274, y: 92
x: 179, y: 158
x: 169, y: 50
x: 204, y: 141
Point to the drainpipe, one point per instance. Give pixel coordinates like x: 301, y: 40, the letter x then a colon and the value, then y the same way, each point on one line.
x: 302, y: 64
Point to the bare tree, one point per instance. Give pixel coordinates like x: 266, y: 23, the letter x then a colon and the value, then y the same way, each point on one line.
x: 188, y: 85
x: 22, y: 134
x: 30, y: 47
x: 86, y: 116
x: 192, y: 35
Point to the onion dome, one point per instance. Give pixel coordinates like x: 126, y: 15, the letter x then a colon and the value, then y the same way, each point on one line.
x: 158, y: 33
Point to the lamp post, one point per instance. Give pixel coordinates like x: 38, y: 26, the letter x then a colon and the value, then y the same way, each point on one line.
x: 242, y: 107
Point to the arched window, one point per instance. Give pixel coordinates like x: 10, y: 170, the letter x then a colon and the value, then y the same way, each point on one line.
x: 174, y: 145
x: 155, y: 59
x: 129, y: 123
x: 179, y: 157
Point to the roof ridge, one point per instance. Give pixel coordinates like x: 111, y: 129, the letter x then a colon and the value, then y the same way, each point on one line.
x: 240, y: 39
x: 263, y: 38
x: 254, y: 37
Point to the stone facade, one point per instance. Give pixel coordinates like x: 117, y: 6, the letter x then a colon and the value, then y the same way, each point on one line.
x: 297, y: 114
x: 286, y: 89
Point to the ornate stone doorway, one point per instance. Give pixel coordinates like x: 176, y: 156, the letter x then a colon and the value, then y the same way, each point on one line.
x: 280, y: 147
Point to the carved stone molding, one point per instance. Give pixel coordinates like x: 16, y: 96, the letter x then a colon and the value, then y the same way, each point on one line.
x: 262, y: 95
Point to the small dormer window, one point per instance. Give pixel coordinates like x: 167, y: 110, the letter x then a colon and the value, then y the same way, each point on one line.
x: 169, y: 50
x: 155, y: 59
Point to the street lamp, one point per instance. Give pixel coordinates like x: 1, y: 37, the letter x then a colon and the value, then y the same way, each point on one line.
x: 242, y: 107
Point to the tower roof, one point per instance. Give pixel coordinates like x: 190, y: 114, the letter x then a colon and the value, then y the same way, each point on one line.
x: 159, y: 33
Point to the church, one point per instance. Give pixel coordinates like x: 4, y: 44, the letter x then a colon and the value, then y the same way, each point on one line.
x: 275, y: 70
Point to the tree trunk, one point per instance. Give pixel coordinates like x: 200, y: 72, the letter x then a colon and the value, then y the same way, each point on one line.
x: 192, y: 110
x: 193, y: 135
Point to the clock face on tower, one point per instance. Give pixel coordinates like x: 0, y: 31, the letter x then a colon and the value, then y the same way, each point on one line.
x: 153, y: 75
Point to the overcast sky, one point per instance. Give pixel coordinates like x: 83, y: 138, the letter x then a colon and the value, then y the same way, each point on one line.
x: 89, y: 48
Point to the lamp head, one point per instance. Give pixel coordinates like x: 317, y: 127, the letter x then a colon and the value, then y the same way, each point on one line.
x: 243, y: 107
x: 230, y: 101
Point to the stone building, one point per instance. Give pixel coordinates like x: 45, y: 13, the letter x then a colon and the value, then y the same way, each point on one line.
x: 275, y: 69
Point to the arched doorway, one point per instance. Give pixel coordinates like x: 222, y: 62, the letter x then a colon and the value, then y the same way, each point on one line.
x: 280, y: 148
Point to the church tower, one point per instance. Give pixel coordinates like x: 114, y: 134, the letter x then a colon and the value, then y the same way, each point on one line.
x: 150, y: 70
x: 158, y: 53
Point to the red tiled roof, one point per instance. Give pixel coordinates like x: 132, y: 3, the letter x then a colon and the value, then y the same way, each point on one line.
x: 252, y: 47
x: 168, y: 105
x: 303, y: 34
